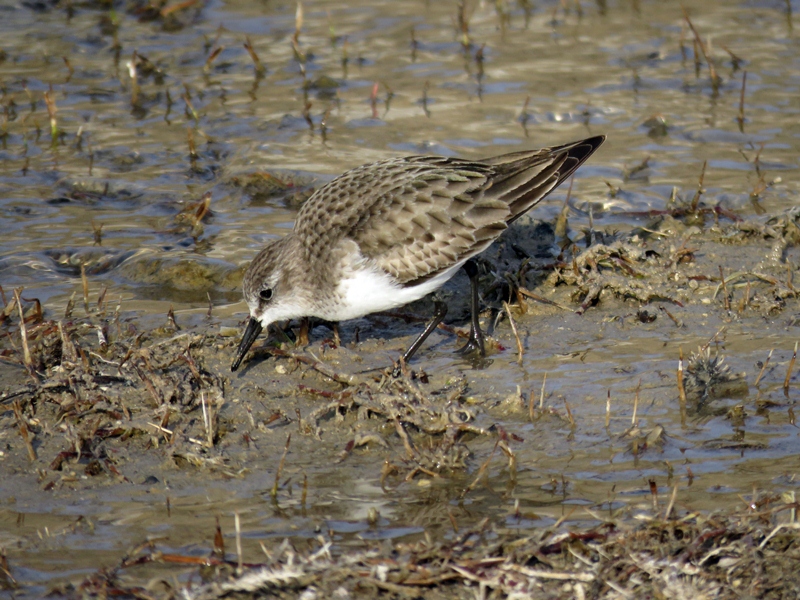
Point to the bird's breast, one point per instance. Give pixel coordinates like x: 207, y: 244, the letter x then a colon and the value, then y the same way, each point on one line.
x: 365, y: 288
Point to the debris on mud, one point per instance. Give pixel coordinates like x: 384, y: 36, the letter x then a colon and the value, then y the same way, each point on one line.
x: 750, y: 552
x: 95, y: 397
x: 99, y: 380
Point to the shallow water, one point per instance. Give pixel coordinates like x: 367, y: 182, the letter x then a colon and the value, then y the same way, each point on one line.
x: 108, y: 191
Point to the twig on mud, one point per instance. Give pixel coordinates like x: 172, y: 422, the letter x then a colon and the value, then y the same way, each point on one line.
x: 208, y: 421
x: 542, y: 299
x: 772, y: 534
x: 531, y: 410
x: 167, y: 341
x: 671, y: 501
x: 163, y: 430
x: 317, y: 365
x: 28, y: 389
x: 274, y: 491
x: 68, y: 352
x: 713, y: 338
x: 238, y: 529
x: 85, y: 282
x: 678, y: 322
x: 726, y: 299
x: 654, y: 494
x: 260, y: 69
x: 101, y: 359
x: 636, y: 403
x: 480, y: 473
x: 569, y: 415
x: 325, y: 393
x: 187, y: 357
x: 404, y: 436
x: 392, y: 588
x: 712, y: 71
x: 149, y: 385
x: 516, y: 333
x: 541, y: 395
x: 540, y: 574
x: 23, y: 332
x: 681, y: 389
x: 24, y: 432
x: 171, y: 319
x: 512, y: 458
x: 789, y: 372
x: 419, y: 469
x: 740, y: 117
x: 700, y: 188
x: 764, y: 366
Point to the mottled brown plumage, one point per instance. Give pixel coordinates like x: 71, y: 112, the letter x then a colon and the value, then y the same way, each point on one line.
x: 386, y: 233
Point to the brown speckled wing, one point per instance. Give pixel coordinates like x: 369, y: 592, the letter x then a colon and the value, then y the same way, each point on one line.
x: 418, y: 215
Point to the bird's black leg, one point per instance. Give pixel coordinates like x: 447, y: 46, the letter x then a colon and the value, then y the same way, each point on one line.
x: 475, y: 342
x: 439, y: 312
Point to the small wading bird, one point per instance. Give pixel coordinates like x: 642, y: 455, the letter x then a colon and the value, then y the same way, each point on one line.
x: 388, y: 233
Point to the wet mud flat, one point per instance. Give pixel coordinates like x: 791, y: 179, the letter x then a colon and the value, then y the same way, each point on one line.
x: 575, y: 461
x: 632, y: 431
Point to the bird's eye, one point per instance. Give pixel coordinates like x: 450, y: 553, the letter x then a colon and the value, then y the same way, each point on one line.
x: 266, y: 294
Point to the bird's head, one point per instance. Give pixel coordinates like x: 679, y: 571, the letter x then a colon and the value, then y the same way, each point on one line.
x: 270, y: 292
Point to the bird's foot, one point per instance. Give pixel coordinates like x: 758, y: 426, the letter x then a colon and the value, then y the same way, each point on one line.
x: 474, y: 344
x: 399, y: 368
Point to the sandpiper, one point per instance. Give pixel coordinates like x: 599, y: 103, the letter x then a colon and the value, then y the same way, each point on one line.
x: 388, y: 233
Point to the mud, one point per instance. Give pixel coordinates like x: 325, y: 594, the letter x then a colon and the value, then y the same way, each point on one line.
x: 113, y: 408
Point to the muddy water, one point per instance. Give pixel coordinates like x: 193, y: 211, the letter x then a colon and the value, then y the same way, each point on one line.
x: 115, y: 187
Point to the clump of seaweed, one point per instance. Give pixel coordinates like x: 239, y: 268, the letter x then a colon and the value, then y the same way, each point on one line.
x: 708, y: 377
x: 96, y: 379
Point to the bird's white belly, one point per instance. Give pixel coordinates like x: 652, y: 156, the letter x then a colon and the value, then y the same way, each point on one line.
x: 369, y: 289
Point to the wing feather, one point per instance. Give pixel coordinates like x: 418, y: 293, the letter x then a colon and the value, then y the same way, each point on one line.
x: 419, y: 215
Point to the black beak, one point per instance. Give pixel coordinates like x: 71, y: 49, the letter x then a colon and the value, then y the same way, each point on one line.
x: 250, y: 334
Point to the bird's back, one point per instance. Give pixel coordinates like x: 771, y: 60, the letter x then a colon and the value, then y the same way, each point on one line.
x: 416, y: 216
